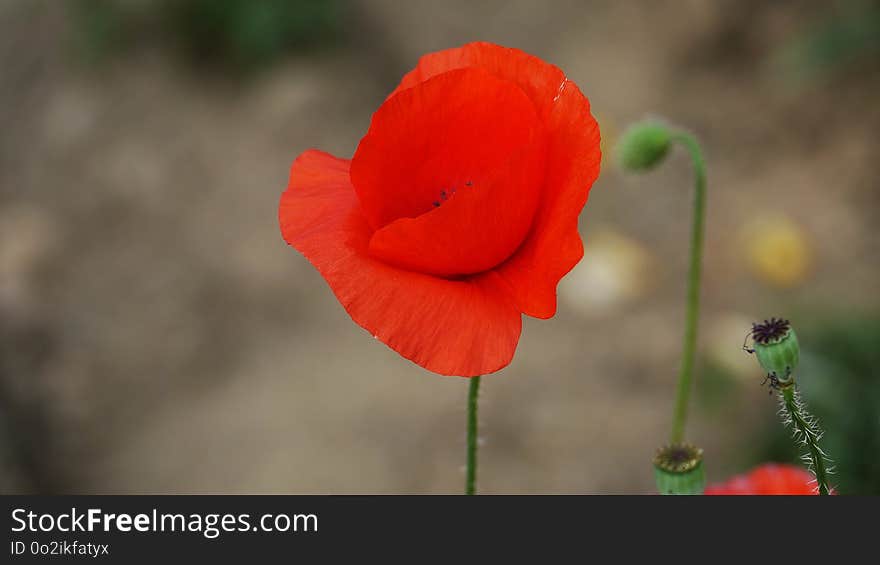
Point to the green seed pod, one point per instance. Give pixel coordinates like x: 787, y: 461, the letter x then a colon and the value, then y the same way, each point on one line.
x: 643, y: 146
x: 678, y: 469
x: 777, y: 350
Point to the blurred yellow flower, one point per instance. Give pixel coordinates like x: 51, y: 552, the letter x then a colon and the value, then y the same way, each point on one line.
x: 777, y: 250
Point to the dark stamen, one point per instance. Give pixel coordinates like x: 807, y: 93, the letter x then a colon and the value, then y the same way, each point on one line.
x: 770, y: 330
x: 678, y: 458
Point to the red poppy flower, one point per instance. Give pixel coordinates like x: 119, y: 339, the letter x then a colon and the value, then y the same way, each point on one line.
x: 770, y: 478
x: 458, y: 212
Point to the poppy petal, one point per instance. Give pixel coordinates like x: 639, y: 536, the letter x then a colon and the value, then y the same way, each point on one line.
x: 782, y: 479
x: 436, y: 137
x: 768, y: 479
x: 573, y: 160
x: 452, y: 327
x: 554, y: 247
x: 538, y: 79
x: 482, y: 223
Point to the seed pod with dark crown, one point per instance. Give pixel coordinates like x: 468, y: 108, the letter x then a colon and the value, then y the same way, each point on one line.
x: 776, y: 347
x: 678, y: 469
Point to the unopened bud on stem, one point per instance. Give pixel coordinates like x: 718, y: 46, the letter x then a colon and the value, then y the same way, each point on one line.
x: 644, y: 145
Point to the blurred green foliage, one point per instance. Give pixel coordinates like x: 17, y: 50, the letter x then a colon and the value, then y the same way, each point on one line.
x: 848, y: 34
x: 251, y: 33
x: 238, y: 34
x: 99, y: 27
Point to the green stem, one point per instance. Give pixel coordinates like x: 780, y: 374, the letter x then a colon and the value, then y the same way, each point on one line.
x: 807, y: 430
x: 685, y: 375
x: 470, y: 485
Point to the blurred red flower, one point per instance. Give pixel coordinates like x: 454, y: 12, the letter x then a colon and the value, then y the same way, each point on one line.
x: 770, y: 478
x: 459, y: 210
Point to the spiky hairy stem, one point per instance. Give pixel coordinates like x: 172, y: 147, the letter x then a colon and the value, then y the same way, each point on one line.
x: 805, y: 430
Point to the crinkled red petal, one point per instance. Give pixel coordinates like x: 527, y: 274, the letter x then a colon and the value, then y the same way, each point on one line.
x: 452, y: 327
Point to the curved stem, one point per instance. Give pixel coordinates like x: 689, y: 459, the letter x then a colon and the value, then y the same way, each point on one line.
x: 685, y: 375
x: 470, y: 484
x: 808, y: 432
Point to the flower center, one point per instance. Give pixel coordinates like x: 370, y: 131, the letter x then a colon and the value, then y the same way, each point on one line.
x: 770, y: 331
x: 447, y: 194
x: 678, y: 457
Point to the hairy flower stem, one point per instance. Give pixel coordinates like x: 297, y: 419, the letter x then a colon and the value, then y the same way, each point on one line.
x: 470, y: 484
x: 807, y: 431
x: 685, y: 375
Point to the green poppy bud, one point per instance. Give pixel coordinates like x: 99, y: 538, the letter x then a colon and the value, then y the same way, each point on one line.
x: 777, y: 350
x: 678, y: 469
x: 643, y: 146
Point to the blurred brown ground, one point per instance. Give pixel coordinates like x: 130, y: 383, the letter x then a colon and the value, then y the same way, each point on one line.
x: 159, y: 336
